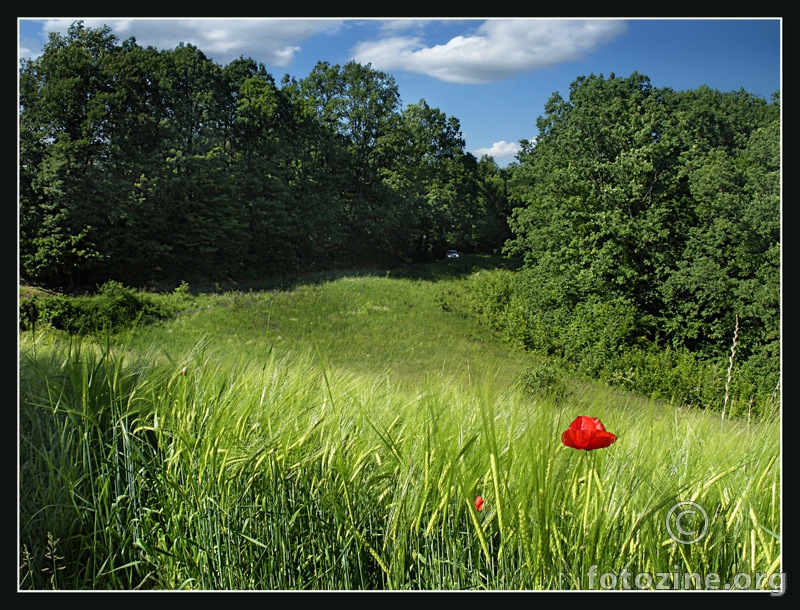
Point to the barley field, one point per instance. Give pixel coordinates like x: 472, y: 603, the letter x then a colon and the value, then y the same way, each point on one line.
x: 348, y: 434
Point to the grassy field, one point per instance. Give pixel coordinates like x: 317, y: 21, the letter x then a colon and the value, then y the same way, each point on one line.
x: 382, y: 324
x: 335, y: 432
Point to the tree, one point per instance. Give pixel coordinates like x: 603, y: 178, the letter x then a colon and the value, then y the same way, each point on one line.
x: 193, y: 187
x: 594, y: 188
x: 422, y: 163
x: 662, y: 204
x: 729, y: 267
x: 257, y: 137
x: 491, y: 229
x: 356, y: 104
x: 65, y: 130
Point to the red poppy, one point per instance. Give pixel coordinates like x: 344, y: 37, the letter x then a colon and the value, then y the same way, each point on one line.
x: 587, y: 433
x: 479, y: 503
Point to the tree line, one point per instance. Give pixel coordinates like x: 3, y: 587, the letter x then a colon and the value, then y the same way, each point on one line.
x: 649, y: 221
x: 142, y: 166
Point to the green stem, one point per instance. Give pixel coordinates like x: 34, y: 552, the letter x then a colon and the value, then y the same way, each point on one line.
x: 590, y: 476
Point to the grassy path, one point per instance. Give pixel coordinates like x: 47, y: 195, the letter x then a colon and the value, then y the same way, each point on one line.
x: 383, y: 324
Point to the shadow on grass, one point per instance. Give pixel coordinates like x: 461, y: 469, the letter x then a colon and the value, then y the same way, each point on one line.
x: 435, y: 271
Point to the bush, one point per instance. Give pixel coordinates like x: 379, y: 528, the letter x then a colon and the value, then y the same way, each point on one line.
x: 493, y: 297
x: 56, y: 311
x: 599, y: 339
x: 675, y: 376
x: 114, y: 308
x: 543, y: 380
x: 599, y: 331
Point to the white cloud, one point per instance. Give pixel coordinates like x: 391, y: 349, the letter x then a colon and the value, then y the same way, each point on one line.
x: 497, y: 49
x: 274, y: 41
x: 396, y: 25
x: 27, y: 51
x: 499, y: 150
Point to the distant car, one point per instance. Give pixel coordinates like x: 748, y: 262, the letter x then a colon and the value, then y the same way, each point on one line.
x: 452, y: 254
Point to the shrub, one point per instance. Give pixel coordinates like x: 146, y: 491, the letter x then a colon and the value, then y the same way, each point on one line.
x: 598, y: 338
x: 543, y: 380
x: 675, y: 376
x: 114, y: 308
x: 599, y: 331
x: 56, y: 311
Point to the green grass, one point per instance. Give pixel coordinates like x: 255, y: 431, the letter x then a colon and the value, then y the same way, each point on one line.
x: 334, y: 435
x: 384, y: 323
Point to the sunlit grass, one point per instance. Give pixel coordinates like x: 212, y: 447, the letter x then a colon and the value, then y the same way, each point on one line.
x: 335, y: 436
x: 369, y: 324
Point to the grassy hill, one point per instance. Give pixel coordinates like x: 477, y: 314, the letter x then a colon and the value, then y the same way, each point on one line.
x: 345, y: 431
x: 381, y: 323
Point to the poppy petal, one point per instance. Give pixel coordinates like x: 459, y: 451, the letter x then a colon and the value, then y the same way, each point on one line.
x: 587, y: 433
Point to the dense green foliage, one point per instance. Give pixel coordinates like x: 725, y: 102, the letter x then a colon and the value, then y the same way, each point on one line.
x: 147, y: 167
x: 113, y: 309
x: 649, y: 222
x: 648, y: 219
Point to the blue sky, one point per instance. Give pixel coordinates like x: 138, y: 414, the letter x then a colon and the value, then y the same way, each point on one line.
x: 494, y: 75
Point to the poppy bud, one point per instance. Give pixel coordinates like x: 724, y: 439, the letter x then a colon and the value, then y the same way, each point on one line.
x: 479, y: 503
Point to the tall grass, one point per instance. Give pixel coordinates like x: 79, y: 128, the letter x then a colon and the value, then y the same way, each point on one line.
x: 202, y: 467
x: 370, y: 325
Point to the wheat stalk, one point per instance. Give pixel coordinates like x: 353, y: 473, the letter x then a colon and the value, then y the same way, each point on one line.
x: 730, y: 367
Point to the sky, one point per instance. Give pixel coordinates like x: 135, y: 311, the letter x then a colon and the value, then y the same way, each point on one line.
x: 493, y: 75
